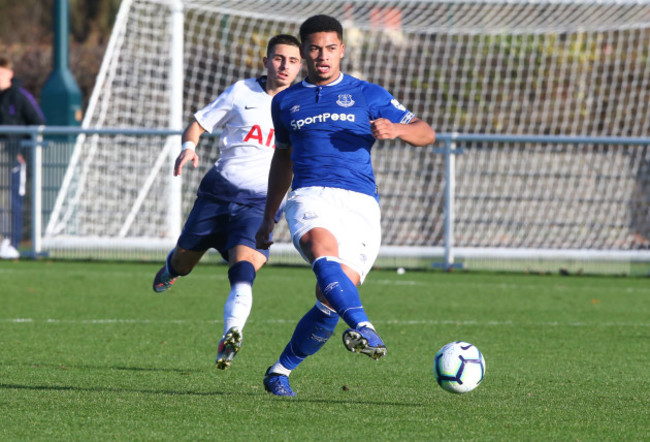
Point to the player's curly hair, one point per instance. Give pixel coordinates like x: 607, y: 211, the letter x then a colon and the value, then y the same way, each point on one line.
x: 320, y: 23
x: 281, y: 39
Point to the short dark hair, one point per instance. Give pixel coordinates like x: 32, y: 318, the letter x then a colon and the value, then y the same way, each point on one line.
x: 5, y: 62
x: 320, y: 23
x: 281, y: 39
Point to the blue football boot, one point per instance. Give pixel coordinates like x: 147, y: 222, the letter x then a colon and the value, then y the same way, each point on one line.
x: 278, y: 384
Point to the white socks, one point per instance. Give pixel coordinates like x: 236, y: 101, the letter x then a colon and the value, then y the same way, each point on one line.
x: 278, y: 368
x: 365, y: 324
x: 238, y: 306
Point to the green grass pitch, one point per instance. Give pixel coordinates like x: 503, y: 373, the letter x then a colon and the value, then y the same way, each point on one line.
x: 89, y: 351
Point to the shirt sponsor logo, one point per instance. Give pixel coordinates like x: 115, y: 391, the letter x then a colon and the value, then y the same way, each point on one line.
x: 345, y: 100
x: 256, y: 134
x: 321, y: 118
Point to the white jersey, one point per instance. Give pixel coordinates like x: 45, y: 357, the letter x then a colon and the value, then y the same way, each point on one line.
x: 243, y: 111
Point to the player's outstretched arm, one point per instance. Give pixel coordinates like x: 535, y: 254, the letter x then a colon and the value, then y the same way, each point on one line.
x: 416, y: 133
x: 280, y: 176
x: 190, y: 139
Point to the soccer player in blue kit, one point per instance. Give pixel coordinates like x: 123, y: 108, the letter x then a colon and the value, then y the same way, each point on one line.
x: 325, y: 128
x: 230, y: 200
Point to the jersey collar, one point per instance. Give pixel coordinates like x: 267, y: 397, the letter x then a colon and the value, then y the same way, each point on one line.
x: 305, y: 83
x: 262, y: 82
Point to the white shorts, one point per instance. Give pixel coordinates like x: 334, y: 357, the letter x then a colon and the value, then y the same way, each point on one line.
x: 353, y: 218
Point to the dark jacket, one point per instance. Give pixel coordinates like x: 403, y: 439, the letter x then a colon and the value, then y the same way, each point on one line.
x: 19, y: 108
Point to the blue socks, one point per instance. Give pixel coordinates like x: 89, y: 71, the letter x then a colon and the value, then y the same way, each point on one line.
x: 340, y: 292
x: 243, y: 271
x: 311, y: 333
x: 316, y: 327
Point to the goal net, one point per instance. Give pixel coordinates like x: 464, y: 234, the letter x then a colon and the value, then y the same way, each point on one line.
x: 545, y: 67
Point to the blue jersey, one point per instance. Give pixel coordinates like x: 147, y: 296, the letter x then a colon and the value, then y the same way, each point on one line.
x: 329, y: 129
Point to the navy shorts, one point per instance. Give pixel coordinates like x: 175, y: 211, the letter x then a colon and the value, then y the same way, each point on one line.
x: 221, y: 225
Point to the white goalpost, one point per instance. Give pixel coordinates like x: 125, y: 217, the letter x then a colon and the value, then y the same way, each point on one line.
x: 575, y: 68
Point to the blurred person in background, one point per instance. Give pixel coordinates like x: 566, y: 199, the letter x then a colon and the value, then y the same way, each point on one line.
x: 17, y: 108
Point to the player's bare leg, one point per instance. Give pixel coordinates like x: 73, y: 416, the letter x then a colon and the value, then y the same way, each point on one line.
x: 179, y: 262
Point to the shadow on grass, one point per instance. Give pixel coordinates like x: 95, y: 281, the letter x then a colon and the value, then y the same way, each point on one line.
x: 195, y: 393
x: 114, y: 390
x: 4, y: 386
x: 114, y: 367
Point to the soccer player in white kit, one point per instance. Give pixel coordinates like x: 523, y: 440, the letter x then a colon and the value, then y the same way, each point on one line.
x: 325, y: 128
x: 231, y: 197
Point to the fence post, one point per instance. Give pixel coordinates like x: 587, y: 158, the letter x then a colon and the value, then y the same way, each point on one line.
x: 174, y: 216
x: 37, y: 191
x: 450, y: 184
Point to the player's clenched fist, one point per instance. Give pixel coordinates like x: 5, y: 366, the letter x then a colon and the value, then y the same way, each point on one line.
x: 383, y: 129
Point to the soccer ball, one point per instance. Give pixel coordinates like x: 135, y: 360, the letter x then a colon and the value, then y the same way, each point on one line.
x: 459, y: 367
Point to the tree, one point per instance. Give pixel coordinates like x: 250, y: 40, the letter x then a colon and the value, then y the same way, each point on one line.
x: 26, y: 34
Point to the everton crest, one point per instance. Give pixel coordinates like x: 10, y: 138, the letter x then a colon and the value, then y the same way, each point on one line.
x: 345, y: 100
